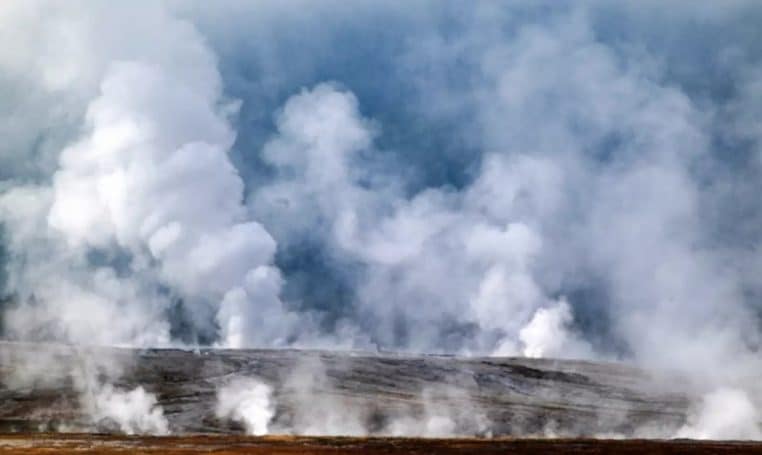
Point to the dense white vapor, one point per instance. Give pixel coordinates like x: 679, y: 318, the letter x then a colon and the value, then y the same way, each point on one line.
x: 547, y: 334
x: 435, y: 248
x: 149, y: 180
x: 247, y: 401
x: 149, y: 175
x: 134, y: 411
x: 144, y: 207
x: 589, y: 176
x: 321, y: 132
x: 723, y: 414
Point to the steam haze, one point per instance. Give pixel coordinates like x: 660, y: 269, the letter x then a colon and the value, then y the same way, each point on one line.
x: 542, y: 179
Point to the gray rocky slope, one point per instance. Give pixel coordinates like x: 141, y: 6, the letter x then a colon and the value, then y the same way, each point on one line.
x: 45, y: 387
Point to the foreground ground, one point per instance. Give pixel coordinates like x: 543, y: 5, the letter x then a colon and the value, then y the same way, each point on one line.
x: 77, y: 443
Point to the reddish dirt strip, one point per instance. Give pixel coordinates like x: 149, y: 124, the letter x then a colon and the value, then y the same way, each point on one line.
x: 46, y: 443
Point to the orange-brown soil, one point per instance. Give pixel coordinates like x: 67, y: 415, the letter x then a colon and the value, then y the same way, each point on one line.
x: 48, y: 443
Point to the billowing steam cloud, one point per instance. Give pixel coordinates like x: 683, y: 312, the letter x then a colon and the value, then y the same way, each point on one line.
x: 248, y: 401
x: 723, y: 414
x: 150, y: 191
x: 503, y: 179
x: 134, y: 411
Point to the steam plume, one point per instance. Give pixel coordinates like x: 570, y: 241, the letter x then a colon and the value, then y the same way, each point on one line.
x: 247, y: 401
